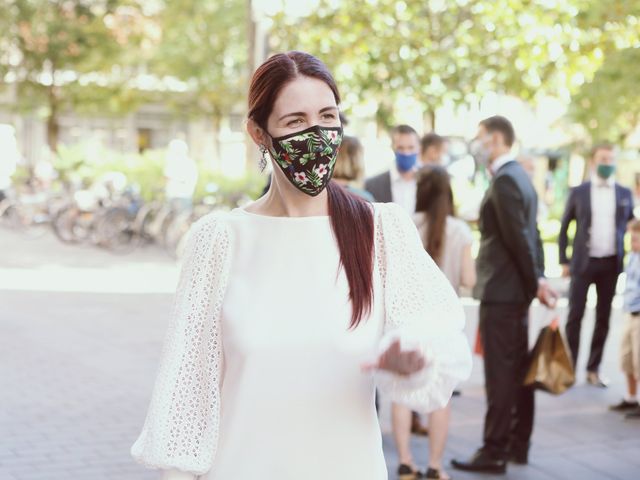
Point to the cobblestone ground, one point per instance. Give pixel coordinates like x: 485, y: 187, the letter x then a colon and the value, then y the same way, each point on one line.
x: 80, y: 335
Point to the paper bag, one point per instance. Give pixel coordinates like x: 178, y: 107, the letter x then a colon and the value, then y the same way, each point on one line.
x: 550, y: 365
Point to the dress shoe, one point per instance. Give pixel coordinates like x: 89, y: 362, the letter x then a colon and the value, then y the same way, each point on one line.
x: 481, y: 461
x: 519, y: 457
x: 633, y: 414
x: 623, y: 406
x: 406, y: 472
x: 593, y: 378
x: 518, y: 452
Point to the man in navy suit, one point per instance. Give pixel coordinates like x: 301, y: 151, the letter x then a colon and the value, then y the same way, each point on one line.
x: 601, y: 208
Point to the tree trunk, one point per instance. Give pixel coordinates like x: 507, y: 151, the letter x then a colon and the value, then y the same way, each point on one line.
x: 53, y: 128
x: 384, y: 116
x: 429, y: 119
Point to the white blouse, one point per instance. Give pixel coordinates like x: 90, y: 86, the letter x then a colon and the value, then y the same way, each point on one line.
x: 260, y: 376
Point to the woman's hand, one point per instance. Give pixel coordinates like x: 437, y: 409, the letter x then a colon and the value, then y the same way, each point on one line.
x: 394, y: 360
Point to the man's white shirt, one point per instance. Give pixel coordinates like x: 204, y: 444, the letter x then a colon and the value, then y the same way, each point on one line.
x: 603, y: 217
x: 403, y: 192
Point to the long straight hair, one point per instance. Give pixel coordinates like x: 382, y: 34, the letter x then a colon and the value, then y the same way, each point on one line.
x: 351, y: 218
x: 434, y: 198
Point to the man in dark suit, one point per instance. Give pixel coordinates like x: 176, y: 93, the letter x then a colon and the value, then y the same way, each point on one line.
x: 398, y: 185
x: 601, y: 208
x: 510, y: 269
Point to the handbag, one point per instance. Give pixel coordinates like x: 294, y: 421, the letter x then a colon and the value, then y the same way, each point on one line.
x: 550, y: 367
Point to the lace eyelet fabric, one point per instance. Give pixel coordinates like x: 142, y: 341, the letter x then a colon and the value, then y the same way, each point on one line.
x: 181, y: 429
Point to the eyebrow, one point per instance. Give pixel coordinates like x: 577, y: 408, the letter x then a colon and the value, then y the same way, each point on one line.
x: 302, y: 114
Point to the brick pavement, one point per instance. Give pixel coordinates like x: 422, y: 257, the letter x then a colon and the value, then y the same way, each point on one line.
x: 78, y: 354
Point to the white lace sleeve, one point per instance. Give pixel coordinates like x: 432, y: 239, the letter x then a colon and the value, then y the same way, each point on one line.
x: 422, y: 309
x: 180, y: 431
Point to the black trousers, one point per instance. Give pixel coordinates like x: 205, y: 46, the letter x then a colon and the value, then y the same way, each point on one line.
x: 508, y: 424
x: 604, y: 273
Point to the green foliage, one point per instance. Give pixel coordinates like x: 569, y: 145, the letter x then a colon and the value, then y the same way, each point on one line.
x: 229, y: 190
x: 67, y: 54
x: 440, y: 51
x: 609, y: 105
x: 110, y: 56
x: 204, y: 44
x: 75, y: 165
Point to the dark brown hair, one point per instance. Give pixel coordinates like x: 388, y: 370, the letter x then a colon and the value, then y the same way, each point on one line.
x: 601, y: 146
x: 350, y: 165
x: 502, y: 125
x: 634, y: 225
x: 434, y: 197
x: 430, y: 139
x: 351, y: 217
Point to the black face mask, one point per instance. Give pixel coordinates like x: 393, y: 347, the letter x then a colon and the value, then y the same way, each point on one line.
x: 307, y: 158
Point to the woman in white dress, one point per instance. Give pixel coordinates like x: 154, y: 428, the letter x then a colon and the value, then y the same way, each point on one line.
x: 289, y: 311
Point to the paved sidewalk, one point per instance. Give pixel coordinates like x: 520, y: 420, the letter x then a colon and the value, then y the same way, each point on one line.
x: 78, y: 355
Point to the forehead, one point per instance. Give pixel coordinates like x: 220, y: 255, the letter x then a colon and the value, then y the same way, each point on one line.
x: 405, y: 138
x: 603, y: 152
x: 304, y: 94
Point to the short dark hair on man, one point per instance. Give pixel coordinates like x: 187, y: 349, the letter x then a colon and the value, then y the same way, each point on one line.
x: 404, y: 130
x: 601, y: 146
x: 430, y: 139
x: 634, y: 225
x: 502, y: 125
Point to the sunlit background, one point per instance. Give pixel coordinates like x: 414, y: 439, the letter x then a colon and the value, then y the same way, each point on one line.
x: 99, y: 97
x: 92, y: 87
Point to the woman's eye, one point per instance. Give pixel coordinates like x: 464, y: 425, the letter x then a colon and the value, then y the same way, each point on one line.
x: 295, y: 122
x: 328, y: 116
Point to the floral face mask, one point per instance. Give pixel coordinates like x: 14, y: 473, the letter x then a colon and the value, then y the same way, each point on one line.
x: 307, y: 158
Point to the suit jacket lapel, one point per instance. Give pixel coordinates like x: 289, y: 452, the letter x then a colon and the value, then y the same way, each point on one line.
x: 387, y: 188
x: 587, y: 196
x: 619, y: 204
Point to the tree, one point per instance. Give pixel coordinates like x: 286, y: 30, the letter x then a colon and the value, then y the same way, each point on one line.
x: 64, y: 54
x: 609, y: 105
x: 204, y: 45
x: 440, y: 51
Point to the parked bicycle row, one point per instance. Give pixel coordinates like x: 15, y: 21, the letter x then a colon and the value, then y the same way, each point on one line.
x: 109, y: 213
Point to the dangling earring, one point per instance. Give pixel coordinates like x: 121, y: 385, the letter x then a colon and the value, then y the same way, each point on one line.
x: 263, y: 159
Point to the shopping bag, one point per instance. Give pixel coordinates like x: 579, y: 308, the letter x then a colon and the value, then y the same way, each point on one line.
x: 550, y: 366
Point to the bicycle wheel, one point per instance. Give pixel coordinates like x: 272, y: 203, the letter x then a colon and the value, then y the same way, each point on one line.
x: 115, y: 231
x: 12, y: 218
x: 175, y: 231
x: 64, y: 225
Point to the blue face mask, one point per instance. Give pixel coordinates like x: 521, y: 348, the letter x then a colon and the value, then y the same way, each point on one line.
x: 406, y: 161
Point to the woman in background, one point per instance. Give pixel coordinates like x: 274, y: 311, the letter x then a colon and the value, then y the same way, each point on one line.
x: 349, y: 171
x: 448, y: 241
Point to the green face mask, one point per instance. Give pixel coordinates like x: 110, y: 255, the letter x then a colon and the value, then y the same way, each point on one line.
x: 605, y: 171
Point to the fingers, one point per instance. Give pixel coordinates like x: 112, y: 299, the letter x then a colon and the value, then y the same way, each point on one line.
x: 393, y: 359
x: 369, y: 366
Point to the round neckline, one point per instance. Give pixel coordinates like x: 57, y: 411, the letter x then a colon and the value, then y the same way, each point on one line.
x: 258, y: 215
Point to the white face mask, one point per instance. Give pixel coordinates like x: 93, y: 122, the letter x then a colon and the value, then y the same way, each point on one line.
x: 480, y: 152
